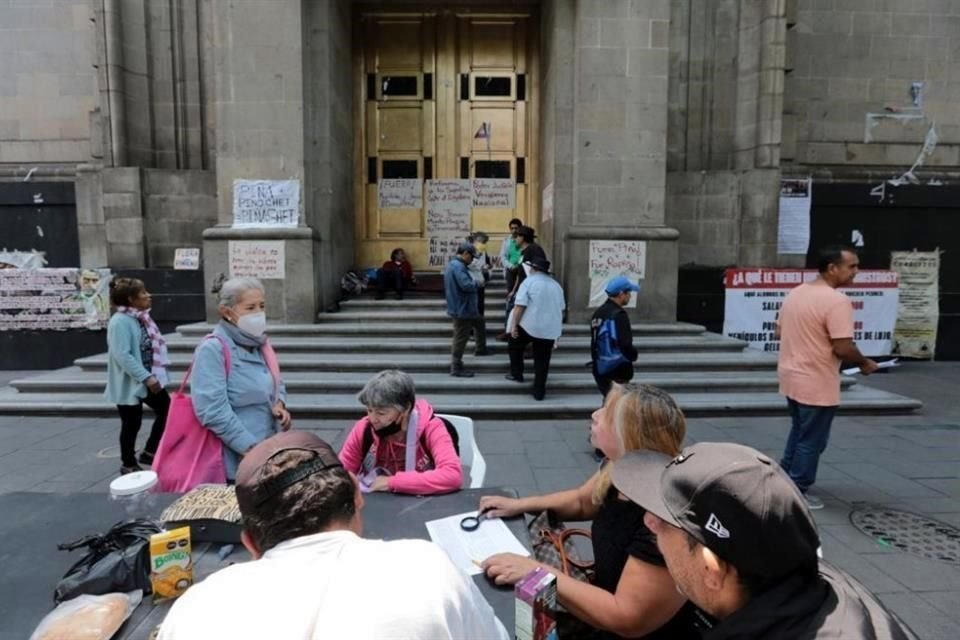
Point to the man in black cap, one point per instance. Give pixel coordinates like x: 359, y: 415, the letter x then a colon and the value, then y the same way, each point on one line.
x: 313, y: 575
x: 537, y: 317
x: 741, y: 544
x: 460, y: 290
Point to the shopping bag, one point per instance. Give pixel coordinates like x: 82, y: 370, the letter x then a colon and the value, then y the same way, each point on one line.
x: 189, y: 454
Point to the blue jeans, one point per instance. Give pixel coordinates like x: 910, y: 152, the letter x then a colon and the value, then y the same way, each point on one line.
x: 807, y: 440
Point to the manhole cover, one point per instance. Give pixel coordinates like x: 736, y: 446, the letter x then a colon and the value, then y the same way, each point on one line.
x: 910, y: 532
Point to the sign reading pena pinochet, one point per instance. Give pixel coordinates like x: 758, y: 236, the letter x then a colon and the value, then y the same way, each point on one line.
x: 266, y: 203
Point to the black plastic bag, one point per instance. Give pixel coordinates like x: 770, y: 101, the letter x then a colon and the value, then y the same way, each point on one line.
x: 118, y: 560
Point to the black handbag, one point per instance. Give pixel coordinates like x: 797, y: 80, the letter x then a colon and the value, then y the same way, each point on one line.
x: 118, y: 560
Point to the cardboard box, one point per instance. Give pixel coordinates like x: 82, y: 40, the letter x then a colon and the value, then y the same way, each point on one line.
x: 535, y: 597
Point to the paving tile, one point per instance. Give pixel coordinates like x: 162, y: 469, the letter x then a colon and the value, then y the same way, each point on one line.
x: 499, y: 442
x: 552, y: 480
x: 916, y: 572
x: 946, y: 486
x: 946, y: 602
x: 887, y: 481
x: 925, y: 620
x: 509, y: 469
x: 853, y: 538
x: 552, y: 460
x: 841, y: 556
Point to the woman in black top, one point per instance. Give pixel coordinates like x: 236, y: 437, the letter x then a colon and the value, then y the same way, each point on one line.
x: 632, y: 594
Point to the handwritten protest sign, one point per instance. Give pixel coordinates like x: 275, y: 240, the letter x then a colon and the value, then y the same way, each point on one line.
x: 449, y: 205
x: 54, y: 299
x: 442, y: 246
x: 186, y: 259
x: 258, y: 258
x: 495, y: 193
x: 266, y: 203
x: 400, y: 193
x: 609, y: 258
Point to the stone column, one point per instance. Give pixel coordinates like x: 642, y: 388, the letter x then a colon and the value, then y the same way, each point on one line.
x: 258, y: 50
x: 620, y: 66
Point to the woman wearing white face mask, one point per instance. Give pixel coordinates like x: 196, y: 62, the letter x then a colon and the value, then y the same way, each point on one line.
x: 247, y: 404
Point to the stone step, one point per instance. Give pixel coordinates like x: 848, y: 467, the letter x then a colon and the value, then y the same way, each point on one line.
x: 390, y: 303
x: 338, y: 344
x: 562, y: 360
x: 74, y: 380
x: 858, y: 399
x: 386, y: 327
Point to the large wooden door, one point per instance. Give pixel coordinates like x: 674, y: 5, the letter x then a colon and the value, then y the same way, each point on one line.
x: 441, y: 94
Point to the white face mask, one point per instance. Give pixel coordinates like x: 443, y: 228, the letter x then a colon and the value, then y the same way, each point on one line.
x: 253, y: 323
x: 527, y: 269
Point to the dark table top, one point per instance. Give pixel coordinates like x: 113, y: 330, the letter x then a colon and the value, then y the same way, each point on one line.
x: 33, y: 524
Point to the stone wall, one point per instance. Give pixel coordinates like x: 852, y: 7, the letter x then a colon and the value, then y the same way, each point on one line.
x: 177, y: 207
x: 851, y: 59
x: 47, y: 81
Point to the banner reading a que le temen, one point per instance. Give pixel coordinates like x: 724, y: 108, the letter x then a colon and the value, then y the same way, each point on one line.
x: 754, y: 297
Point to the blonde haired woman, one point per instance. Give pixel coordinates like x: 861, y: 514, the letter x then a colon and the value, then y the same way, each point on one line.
x: 632, y: 594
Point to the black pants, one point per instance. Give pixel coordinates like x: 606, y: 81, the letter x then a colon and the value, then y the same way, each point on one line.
x: 623, y: 373
x: 542, y: 350
x: 390, y: 279
x: 131, y: 417
x: 480, y: 328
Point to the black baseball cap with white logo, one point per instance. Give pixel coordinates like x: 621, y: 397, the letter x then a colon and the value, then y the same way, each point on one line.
x: 734, y: 500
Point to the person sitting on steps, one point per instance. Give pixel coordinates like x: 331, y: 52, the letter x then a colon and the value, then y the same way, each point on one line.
x: 396, y: 273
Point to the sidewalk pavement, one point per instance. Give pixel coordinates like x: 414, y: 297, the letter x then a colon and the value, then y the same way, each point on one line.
x: 907, y: 462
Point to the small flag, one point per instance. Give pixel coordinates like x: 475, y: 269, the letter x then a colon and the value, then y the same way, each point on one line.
x: 483, y: 132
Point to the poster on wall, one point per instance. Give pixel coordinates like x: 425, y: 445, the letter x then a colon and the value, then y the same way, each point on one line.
x: 186, y: 259
x: 915, y: 335
x: 754, y: 298
x: 609, y: 258
x: 793, y: 228
x: 54, y: 299
x: 494, y: 193
x: 266, y: 203
x: 546, y: 205
x: 449, y: 205
x: 400, y: 193
x: 263, y: 259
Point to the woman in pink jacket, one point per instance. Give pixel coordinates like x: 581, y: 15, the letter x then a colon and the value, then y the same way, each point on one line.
x: 401, y: 446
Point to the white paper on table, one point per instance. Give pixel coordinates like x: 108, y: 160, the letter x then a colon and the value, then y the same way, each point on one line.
x: 880, y: 365
x: 466, y: 548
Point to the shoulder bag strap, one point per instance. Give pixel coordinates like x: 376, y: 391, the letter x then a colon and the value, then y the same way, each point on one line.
x: 227, y: 363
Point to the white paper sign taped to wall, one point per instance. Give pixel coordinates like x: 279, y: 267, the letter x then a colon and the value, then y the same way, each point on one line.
x: 266, y: 203
x: 264, y: 259
x: 400, y: 193
x: 609, y: 258
x: 186, y: 259
x: 494, y: 193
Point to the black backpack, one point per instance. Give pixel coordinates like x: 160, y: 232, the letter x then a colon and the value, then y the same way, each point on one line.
x: 454, y: 436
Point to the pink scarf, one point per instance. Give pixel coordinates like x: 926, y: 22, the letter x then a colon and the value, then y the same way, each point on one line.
x: 159, y: 345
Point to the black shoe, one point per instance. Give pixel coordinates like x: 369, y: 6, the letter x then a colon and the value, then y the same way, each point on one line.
x: 461, y: 373
x: 146, y: 458
x: 399, y: 295
x: 131, y: 469
x: 513, y: 378
x: 483, y: 352
x: 539, y: 398
x: 380, y: 295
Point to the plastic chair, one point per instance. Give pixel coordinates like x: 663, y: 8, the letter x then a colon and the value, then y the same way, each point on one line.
x: 470, y: 455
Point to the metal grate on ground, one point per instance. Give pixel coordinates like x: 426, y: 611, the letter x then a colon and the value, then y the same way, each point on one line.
x: 909, y: 532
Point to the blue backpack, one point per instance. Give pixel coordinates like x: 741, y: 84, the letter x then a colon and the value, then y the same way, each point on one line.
x: 609, y: 356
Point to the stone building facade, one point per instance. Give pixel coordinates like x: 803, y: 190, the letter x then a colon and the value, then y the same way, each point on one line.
x: 669, y: 122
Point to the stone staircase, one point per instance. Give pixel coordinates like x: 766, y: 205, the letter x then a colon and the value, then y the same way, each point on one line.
x: 326, y: 364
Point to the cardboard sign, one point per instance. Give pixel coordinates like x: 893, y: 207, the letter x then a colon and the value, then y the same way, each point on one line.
x: 264, y: 259
x: 754, y: 298
x: 609, y: 258
x: 442, y: 247
x: 449, y: 203
x: 266, y: 203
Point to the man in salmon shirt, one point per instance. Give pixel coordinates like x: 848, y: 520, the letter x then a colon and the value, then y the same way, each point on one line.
x: 815, y: 328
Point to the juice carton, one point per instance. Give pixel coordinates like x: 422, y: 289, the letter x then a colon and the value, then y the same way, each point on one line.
x: 536, y: 599
x: 171, y: 563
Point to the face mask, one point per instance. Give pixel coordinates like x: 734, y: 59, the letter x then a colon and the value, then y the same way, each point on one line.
x: 480, y: 246
x: 253, y: 323
x: 527, y: 269
x: 391, y: 429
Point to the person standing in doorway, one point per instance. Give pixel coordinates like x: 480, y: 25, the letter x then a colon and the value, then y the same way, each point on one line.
x: 460, y: 290
x: 136, y: 370
x: 612, y: 316
x: 538, y: 318
x: 815, y: 328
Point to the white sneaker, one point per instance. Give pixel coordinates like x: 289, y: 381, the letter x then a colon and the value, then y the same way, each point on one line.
x: 813, y: 502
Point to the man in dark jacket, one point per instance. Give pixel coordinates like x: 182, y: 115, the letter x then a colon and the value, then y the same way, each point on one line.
x: 618, y: 292
x: 740, y: 543
x: 461, y: 292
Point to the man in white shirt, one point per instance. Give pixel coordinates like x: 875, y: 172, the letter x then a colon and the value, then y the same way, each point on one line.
x: 537, y: 318
x: 313, y: 576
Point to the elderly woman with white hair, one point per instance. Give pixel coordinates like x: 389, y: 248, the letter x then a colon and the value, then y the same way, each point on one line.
x: 401, y: 446
x: 236, y: 386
